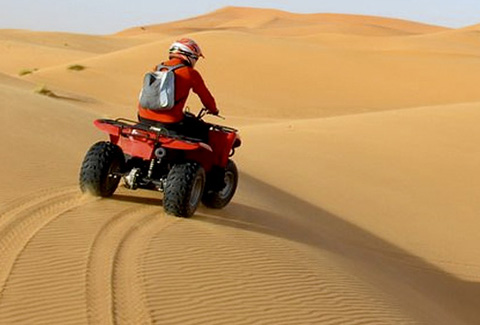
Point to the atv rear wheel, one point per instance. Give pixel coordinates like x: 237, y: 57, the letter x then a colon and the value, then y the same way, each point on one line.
x: 217, y: 198
x: 100, y: 168
x: 184, y: 189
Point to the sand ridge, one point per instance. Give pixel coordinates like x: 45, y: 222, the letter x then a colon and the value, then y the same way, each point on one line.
x: 281, y: 23
x: 357, y: 195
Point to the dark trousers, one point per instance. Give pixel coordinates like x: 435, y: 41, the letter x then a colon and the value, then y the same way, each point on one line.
x: 189, y: 127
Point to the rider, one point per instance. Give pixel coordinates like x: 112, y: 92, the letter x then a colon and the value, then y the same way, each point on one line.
x: 184, y: 51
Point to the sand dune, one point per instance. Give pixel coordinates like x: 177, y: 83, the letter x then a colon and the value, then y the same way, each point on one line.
x: 341, y: 80
x: 25, y: 51
x: 426, y: 170
x: 23, y: 57
x: 38, y: 134
x: 475, y: 27
x: 7, y: 81
x: 68, y: 41
x: 281, y: 23
x: 357, y: 198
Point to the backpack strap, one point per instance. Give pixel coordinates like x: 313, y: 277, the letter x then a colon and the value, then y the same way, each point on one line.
x: 169, y: 67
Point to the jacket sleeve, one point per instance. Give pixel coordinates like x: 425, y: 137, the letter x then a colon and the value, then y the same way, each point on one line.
x: 202, y: 91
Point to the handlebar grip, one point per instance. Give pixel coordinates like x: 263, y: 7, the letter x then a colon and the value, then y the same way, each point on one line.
x: 204, y: 111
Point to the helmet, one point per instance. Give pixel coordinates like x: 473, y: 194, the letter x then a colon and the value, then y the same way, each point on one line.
x: 186, y: 49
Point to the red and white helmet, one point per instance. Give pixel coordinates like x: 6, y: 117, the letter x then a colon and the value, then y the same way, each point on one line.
x: 186, y: 49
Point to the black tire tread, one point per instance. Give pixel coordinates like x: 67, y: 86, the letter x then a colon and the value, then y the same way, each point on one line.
x: 95, y: 167
x: 212, y: 199
x: 180, y: 181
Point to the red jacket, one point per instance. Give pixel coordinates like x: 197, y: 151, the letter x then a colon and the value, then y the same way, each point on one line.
x: 186, y: 78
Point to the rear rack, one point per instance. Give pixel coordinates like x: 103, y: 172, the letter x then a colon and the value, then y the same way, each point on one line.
x: 146, y: 129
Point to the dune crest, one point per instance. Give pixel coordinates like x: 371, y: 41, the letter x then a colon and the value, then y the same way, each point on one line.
x: 280, y: 23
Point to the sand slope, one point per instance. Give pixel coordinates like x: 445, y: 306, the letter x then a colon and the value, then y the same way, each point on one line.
x: 357, y: 197
x: 26, y: 50
x: 366, y: 73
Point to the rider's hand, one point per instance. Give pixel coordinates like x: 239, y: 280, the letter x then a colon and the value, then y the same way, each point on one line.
x: 215, y: 113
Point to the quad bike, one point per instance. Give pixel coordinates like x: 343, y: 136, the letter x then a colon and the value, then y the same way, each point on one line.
x: 185, y: 169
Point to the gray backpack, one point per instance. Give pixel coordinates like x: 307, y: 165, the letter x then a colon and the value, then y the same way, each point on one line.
x: 158, y: 91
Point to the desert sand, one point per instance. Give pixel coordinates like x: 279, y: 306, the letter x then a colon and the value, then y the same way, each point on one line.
x: 358, y: 194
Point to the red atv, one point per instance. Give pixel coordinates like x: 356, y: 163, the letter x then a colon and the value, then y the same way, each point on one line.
x: 185, y: 169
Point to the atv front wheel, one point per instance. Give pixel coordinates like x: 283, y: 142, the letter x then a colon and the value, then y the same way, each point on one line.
x: 184, y: 189
x: 100, y: 168
x: 216, y: 196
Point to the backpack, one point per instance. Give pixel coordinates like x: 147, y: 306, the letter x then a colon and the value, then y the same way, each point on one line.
x: 158, y: 91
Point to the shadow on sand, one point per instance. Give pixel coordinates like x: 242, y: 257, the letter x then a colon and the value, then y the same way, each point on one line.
x: 305, y: 223
x: 302, y: 222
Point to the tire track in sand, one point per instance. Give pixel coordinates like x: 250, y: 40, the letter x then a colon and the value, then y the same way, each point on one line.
x: 128, y: 284
x: 101, y: 263
x: 24, y: 217
x: 98, y: 243
x: 10, y: 209
x: 115, y: 288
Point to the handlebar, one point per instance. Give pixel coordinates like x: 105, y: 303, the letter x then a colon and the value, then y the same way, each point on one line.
x: 205, y: 111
